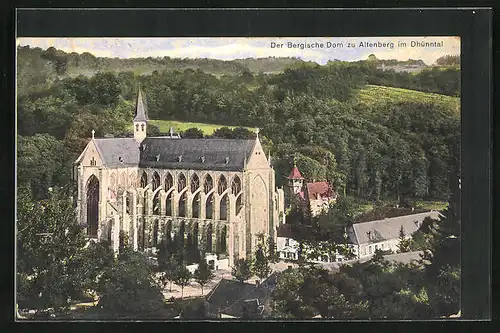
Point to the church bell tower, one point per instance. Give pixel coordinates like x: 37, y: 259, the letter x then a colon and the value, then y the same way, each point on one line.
x: 140, y: 119
x: 295, y: 180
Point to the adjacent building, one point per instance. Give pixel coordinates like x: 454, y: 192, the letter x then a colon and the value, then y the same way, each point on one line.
x: 367, y: 237
x: 316, y: 195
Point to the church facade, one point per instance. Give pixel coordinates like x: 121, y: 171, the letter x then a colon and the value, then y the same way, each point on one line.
x: 217, y: 195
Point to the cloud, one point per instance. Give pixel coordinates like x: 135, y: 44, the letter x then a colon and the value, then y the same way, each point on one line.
x: 237, y: 48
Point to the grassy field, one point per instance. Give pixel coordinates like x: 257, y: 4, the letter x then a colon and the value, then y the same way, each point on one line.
x: 434, y: 205
x: 376, y: 95
x: 181, y: 126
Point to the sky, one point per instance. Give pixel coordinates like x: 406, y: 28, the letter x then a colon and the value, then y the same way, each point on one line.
x: 326, y: 48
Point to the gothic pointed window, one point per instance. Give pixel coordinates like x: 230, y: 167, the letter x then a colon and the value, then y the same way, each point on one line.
x: 92, y: 206
x: 156, y: 204
x: 144, y: 180
x: 155, y: 182
x: 196, y: 205
x: 182, y: 231
x: 195, y: 183
x: 168, y: 206
x: 239, y: 204
x: 181, y: 182
x: 182, y: 205
x: 168, y: 232
x: 209, y: 208
x: 222, y: 184
x: 208, y: 184
x: 142, y: 127
x: 137, y: 127
x: 224, y: 203
x: 223, y: 240
x: 236, y: 185
x: 209, y: 242
x: 155, y: 233
x: 169, y: 182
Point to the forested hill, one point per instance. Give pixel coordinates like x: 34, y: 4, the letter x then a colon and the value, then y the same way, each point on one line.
x: 59, y: 63
x: 372, y: 133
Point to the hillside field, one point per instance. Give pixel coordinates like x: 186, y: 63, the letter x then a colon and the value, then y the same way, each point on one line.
x: 376, y: 95
x: 181, y: 126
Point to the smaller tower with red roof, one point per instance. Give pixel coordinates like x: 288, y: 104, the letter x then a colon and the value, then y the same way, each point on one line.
x: 295, y: 180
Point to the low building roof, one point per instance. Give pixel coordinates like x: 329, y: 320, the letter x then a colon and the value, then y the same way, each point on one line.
x: 380, y: 230
x: 226, y: 293
x: 323, y: 189
x: 231, y: 297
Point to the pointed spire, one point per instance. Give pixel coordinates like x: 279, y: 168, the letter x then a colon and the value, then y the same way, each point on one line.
x: 295, y: 173
x: 140, y: 108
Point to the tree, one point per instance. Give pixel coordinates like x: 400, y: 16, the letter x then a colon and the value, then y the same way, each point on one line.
x: 223, y: 133
x: 127, y: 288
x: 167, y: 265
x: 105, y: 88
x: 261, y: 263
x: 442, y: 259
x: 241, y: 270
x: 153, y: 130
x: 272, y: 252
x: 203, y: 274
x: 42, y: 163
x: 404, y: 242
x: 182, y: 278
x: 192, y: 133
x: 49, y: 245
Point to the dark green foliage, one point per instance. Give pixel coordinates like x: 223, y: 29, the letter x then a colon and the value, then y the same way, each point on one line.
x: 241, y: 270
x: 260, y: 265
x: 192, y: 133
x: 404, y: 241
x: 153, y: 130
x: 203, y: 274
x: 182, y: 278
x: 127, y: 288
x: 49, y: 253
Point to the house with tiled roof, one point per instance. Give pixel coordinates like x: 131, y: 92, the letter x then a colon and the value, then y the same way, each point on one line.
x: 317, y: 195
x: 367, y: 237
x: 234, y: 299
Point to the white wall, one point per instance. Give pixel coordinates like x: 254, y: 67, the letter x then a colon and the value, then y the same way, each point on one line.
x: 366, y: 250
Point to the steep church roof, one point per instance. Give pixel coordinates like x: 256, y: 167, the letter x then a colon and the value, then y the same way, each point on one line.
x: 118, y: 151
x: 141, y: 113
x: 195, y: 154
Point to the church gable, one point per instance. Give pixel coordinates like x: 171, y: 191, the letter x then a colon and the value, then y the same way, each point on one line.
x: 257, y: 159
x: 90, y: 156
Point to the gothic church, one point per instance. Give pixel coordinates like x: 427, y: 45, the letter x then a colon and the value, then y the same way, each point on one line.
x: 219, y: 194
